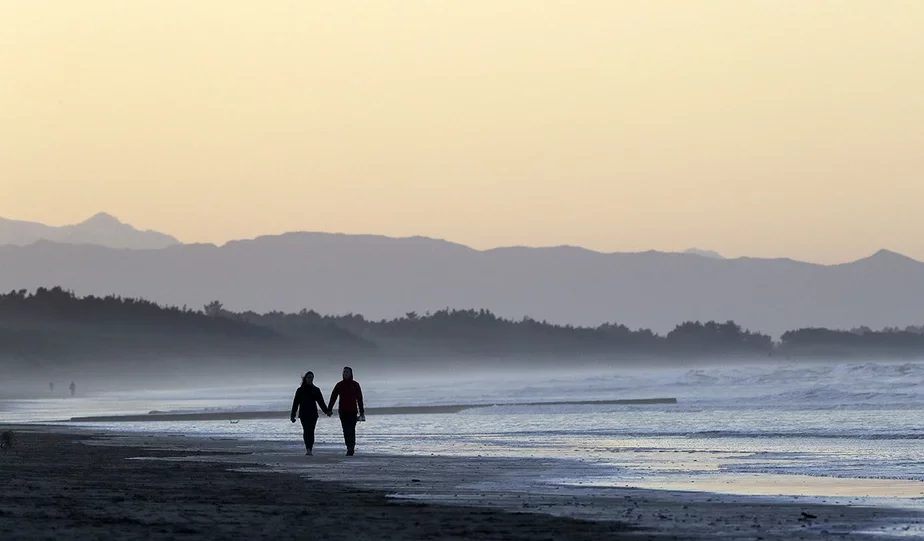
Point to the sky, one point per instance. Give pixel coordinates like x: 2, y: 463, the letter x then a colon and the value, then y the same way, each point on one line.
x: 750, y: 127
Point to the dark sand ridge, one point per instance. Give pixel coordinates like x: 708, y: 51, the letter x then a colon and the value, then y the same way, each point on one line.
x: 60, y: 483
x: 399, y: 410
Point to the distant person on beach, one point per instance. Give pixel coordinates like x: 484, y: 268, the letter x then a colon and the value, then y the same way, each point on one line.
x: 51, y: 386
x: 306, y: 396
x: 73, y: 388
x: 351, y: 407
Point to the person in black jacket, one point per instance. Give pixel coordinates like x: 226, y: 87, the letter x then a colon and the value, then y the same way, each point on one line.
x: 306, y: 397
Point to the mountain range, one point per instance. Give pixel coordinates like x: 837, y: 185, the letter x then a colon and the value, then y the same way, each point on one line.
x: 383, y: 277
x: 102, y: 229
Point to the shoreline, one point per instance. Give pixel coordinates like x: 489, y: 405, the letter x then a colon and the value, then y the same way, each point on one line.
x: 496, y: 493
x: 395, y: 410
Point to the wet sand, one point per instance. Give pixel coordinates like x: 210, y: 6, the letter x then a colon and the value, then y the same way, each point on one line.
x: 64, y: 483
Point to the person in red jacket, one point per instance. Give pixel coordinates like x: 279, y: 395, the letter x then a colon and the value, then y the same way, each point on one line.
x: 351, y: 407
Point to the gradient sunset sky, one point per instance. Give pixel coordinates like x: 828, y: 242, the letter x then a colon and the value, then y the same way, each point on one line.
x: 751, y: 127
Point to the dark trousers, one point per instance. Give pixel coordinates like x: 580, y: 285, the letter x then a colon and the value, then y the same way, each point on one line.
x: 308, y: 424
x: 348, y: 422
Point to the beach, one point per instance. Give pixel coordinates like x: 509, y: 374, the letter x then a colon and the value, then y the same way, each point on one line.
x: 764, y: 452
x: 62, y: 482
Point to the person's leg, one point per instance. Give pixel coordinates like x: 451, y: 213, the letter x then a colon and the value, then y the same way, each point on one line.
x: 348, y: 422
x: 308, y: 433
x: 312, y: 423
x: 351, y: 444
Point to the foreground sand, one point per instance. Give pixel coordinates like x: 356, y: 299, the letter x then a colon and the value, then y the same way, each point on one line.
x: 56, y: 487
x: 64, y: 484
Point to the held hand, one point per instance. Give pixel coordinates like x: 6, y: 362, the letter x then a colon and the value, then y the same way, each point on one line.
x: 362, y: 417
x: 329, y: 413
x: 292, y: 419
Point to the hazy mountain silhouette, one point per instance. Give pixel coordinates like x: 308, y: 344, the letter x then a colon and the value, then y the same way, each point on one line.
x: 102, y: 229
x: 382, y: 277
x: 705, y: 253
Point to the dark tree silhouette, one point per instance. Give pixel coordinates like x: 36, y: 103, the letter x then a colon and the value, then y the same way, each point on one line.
x: 213, y: 309
x: 54, y: 323
x: 891, y: 342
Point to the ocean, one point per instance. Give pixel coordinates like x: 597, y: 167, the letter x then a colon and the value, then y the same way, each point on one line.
x: 836, y: 430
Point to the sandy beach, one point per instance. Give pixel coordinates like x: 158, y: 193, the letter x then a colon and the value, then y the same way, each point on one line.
x: 55, y: 486
x: 65, y: 483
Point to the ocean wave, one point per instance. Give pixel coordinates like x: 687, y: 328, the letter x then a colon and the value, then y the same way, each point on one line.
x: 590, y: 435
x: 835, y: 395
x: 907, y: 372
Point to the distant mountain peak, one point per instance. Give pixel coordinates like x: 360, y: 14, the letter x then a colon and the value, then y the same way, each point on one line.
x: 883, y: 259
x: 101, y: 229
x: 889, y: 255
x: 704, y: 253
x: 102, y: 218
x: 886, y: 253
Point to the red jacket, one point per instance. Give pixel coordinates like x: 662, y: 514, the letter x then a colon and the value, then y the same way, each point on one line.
x: 351, y: 396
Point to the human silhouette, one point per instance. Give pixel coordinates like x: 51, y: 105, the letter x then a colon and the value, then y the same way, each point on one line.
x: 351, y: 407
x: 306, y: 396
x: 51, y: 386
x: 73, y: 388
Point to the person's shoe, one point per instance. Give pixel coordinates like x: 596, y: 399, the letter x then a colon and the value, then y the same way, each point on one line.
x: 349, y: 453
x: 308, y: 453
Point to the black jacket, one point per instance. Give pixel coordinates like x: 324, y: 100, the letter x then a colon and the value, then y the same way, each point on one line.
x: 306, y: 397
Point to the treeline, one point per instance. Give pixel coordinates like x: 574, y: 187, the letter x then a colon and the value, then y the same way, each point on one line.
x: 814, y: 342
x: 56, y: 323
x: 53, y: 323
x: 20, y: 309
x: 481, y: 332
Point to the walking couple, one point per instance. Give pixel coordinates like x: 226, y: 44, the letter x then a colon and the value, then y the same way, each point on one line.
x: 351, y: 407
